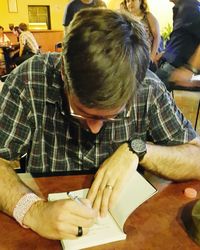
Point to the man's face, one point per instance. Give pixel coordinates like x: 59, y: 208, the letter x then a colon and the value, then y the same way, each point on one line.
x: 91, y: 118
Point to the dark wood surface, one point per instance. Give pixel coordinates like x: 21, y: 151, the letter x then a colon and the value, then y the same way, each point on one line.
x: 46, y: 39
x: 155, y: 225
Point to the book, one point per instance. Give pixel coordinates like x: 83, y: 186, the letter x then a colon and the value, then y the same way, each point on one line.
x: 110, y: 228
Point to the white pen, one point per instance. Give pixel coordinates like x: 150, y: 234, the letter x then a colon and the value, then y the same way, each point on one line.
x: 75, y: 198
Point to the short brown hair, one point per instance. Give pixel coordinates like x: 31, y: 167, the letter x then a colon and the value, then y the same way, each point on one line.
x: 23, y: 26
x: 105, y: 56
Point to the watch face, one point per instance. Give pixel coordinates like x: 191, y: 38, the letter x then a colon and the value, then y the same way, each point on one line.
x: 139, y: 146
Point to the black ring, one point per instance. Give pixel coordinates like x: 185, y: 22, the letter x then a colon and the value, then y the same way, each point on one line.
x: 80, y: 231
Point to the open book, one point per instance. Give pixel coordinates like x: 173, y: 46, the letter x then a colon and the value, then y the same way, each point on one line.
x: 110, y: 228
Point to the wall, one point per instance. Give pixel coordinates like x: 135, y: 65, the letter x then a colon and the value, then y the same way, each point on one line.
x: 162, y: 9
x: 56, y: 12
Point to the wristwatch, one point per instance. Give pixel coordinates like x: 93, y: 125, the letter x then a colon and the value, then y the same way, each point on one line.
x: 138, y: 147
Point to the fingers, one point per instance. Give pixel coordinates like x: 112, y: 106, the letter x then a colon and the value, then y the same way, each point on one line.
x: 72, y: 231
x: 81, y: 221
x: 83, y: 210
x: 65, y: 219
x: 105, y: 201
x: 95, y: 188
x: 100, y: 193
x: 111, y: 173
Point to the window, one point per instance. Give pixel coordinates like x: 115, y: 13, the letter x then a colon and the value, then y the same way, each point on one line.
x: 39, y: 17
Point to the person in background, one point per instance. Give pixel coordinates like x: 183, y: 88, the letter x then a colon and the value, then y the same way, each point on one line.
x: 139, y: 9
x: 12, y: 53
x: 100, y: 3
x: 27, y: 44
x: 175, y: 62
x: 3, y: 37
x: 4, y: 40
x: 15, y: 51
x: 75, y: 5
x: 122, y: 6
x: 94, y: 107
x: 184, y: 75
x: 16, y: 31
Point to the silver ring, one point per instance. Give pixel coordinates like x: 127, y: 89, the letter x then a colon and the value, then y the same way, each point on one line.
x: 80, y: 231
x: 109, y: 187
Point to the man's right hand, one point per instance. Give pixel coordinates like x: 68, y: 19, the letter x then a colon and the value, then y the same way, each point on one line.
x: 60, y: 219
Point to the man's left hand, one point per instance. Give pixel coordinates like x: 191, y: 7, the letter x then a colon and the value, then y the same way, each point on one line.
x: 111, y: 177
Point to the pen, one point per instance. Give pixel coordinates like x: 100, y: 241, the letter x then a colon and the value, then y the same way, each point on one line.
x: 75, y: 198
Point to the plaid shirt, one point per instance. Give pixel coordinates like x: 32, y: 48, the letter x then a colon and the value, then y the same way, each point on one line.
x: 34, y: 118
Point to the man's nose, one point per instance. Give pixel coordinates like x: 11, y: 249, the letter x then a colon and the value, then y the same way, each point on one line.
x: 94, y: 125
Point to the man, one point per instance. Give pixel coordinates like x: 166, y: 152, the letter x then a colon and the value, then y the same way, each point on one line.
x: 175, y: 64
x: 75, y: 5
x: 94, y: 107
x: 28, y: 46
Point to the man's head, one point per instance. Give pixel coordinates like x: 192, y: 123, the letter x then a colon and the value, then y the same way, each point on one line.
x: 1, y: 29
x: 105, y: 56
x: 23, y: 26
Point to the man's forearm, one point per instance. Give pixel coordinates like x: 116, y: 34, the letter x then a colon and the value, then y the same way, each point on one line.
x: 174, y: 162
x: 194, y: 62
x: 195, y: 59
x: 11, y: 188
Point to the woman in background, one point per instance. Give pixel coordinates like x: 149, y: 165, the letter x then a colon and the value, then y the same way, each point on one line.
x: 4, y: 40
x: 139, y: 9
x: 16, y: 31
x: 122, y: 6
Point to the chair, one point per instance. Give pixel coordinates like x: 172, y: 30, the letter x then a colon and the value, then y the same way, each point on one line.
x: 58, y: 46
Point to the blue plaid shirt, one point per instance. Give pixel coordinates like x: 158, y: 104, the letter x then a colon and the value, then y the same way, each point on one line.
x: 34, y: 119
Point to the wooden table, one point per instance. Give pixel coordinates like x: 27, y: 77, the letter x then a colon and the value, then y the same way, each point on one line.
x: 155, y: 225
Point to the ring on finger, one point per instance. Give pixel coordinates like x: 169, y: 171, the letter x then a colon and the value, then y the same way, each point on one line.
x: 109, y: 187
x: 80, y: 231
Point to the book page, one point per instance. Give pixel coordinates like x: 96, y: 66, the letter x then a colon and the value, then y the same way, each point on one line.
x: 105, y: 230
x: 136, y: 190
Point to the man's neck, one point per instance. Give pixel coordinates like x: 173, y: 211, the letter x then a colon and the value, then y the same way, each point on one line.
x: 87, y: 1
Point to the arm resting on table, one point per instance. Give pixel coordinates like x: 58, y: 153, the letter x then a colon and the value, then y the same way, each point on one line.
x: 177, y: 163
x: 11, y: 187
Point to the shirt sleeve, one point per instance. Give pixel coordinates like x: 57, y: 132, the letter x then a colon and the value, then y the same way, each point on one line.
x: 191, y: 19
x: 68, y: 15
x: 14, y: 119
x: 167, y: 125
x: 22, y: 39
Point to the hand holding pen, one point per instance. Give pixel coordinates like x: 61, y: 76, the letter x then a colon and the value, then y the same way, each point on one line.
x: 61, y: 219
x: 82, y: 203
